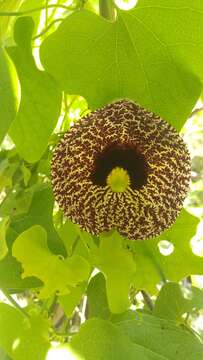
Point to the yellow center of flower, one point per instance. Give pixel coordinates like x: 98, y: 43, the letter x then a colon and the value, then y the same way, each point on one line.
x: 118, y: 180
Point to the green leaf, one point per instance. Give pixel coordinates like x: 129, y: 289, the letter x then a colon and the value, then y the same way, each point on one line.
x: 7, y: 170
x: 10, y: 276
x: 174, y: 300
x: 160, y: 336
x: 70, y: 301
x: 40, y: 98
x: 97, y: 299
x: 135, y: 57
x: 3, y: 244
x: 16, y: 204
x: 33, y: 207
x: 3, y: 355
x: 40, y: 213
x: 7, y: 6
x: 21, y: 337
x: 11, y: 270
x: 26, y: 174
x: 28, y: 5
x: 8, y: 92
x: 119, y: 269
x: 100, y: 339
x: 179, y: 264
x: 69, y: 235
x: 85, y: 245
x: 57, y: 274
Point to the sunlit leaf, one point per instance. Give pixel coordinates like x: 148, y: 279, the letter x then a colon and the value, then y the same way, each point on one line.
x: 118, y: 267
x: 16, y: 204
x: 40, y: 98
x: 161, y: 336
x: 62, y: 352
x: 153, y: 266
x: 33, y: 207
x: 78, y: 287
x: 100, y: 339
x: 97, y: 299
x: 40, y: 212
x: 174, y: 300
x: 3, y: 244
x: 70, y: 301
x: 26, y: 174
x: 150, y: 54
x: 8, y: 92
x: 7, y: 6
x: 69, y: 235
x: 21, y: 337
x: 57, y: 274
x: 28, y: 5
x: 10, y: 276
x: 7, y: 170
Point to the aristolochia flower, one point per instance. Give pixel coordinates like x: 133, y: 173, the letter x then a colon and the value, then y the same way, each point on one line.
x: 121, y: 167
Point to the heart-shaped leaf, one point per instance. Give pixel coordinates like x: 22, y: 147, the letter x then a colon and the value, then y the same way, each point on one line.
x: 151, y: 54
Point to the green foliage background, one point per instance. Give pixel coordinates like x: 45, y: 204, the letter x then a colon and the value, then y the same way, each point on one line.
x: 88, y: 297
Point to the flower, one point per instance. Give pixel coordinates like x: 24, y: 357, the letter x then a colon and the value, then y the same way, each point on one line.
x: 121, y: 167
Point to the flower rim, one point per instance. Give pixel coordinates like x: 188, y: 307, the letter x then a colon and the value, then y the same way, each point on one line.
x: 160, y: 155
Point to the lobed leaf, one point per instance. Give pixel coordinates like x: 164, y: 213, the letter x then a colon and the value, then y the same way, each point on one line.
x: 40, y: 97
x: 154, y: 267
x: 40, y: 213
x: 174, y: 300
x: 70, y: 301
x: 57, y: 274
x: 118, y: 266
x: 23, y: 338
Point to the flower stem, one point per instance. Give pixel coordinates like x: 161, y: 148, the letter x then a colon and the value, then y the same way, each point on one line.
x: 47, y: 28
x: 20, y: 13
x: 107, y: 9
x: 147, y: 300
x: 14, y: 303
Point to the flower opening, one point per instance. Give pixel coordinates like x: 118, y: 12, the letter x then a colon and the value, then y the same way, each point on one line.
x: 121, y: 167
x: 121, y: 156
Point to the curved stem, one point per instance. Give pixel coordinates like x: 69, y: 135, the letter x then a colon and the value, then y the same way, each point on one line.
x: 14, y: 303
x: 147, y: 300
x: 196, y: 111
x: 107, y: 9
x: 47, y: 28
x: 20, y: 13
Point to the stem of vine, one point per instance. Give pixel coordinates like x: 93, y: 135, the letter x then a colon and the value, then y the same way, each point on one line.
x: 15, y: 304
x: 107, y: 9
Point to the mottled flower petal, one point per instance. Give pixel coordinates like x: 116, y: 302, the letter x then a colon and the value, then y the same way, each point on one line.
x: 127, y: 136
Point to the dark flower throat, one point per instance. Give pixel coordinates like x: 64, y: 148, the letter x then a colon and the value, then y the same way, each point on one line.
x: 122, y: 156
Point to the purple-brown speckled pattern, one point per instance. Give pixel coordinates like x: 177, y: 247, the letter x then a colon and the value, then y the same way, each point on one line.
x: 136, y: 213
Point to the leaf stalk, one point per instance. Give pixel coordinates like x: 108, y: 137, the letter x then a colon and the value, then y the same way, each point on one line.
x: 107, y: 9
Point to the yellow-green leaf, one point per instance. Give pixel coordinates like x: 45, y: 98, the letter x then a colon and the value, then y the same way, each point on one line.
x: 23, y: 338
x: 118, y: 266
x: 3, y: 244
x: 152, y: 54
x: 57, y: 274
x: 40, y: 98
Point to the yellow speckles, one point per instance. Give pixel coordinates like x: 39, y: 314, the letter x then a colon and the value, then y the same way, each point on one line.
x: 137, y: 212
